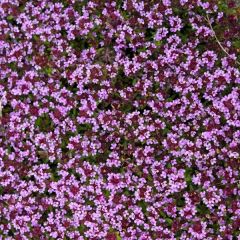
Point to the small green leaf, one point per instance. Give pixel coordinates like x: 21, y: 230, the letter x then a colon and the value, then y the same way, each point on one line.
x: 81, y: 228
x: 158, y: 43
x: 162, y: 214
x: 44, y: 123
x: 236, y: 43
x: 48, y: 70
x: 1, y: 190
x: 203, y: 209
x: 143, y: 205
x: 169, y: 221
x: 10, y: 18
x: 180, y: 202
x: 106, y: 193
x: 82, y: 128
x: 118, y: 236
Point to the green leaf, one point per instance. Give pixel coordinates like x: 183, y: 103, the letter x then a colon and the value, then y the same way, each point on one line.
x: 127, y: 107
x: 188, y: 174
x: 149, y: 34
x: 106, y: 193
x: 1, y: 190
x: 82, y: 128
x: 158, y: 43
x: 236, y: 43
x: 47, y: 70
x: 81, y: 228
x: 162, y: 214
x: 44, y: 123
x: 180, y: 202
x: 169, y: 221
x: 118, y: 236
x: 10, y: 18
x: 36, y: 37
x: 143, y: 205
x: 202, y: 209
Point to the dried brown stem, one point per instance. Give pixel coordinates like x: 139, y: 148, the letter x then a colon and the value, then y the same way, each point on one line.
x: 216, y: 38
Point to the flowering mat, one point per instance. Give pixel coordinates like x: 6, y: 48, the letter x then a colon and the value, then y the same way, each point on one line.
x: 120, y: 120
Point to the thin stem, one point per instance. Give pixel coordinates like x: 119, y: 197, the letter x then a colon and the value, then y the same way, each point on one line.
x: 219, y: 43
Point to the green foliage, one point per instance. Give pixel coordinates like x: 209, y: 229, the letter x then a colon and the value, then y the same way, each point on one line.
x: 143, y: 205
x: 82, y: 128
x: 186, y: 32
x: 180, y: 202
x: 47, y: 70
x: 81, y: 228
x: 44, y: 123
x: 122, y: 81
x: 106, y: 193
x: 172, y: 95
x: 127, y: 107
x: 1, y: 190
x: 79, y: 44
x: 13, y: 65
x: 7, y: 109
x: 149, y: 34
x: 10, y: 18
x: 203, y: 209
x: 169, y: 221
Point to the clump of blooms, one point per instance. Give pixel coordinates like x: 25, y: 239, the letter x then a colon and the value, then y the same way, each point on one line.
x: 119, y: 119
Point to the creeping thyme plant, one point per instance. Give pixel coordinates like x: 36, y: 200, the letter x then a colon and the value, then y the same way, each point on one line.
x: 120, y: 119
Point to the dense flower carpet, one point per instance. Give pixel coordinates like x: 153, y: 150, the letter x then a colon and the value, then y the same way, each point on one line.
x: 120, y: 119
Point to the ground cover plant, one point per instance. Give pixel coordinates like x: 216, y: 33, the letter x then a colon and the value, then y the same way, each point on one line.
x: 119, y: 119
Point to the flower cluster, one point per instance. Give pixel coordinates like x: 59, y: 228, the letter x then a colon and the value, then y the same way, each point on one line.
x: 119, y: 120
